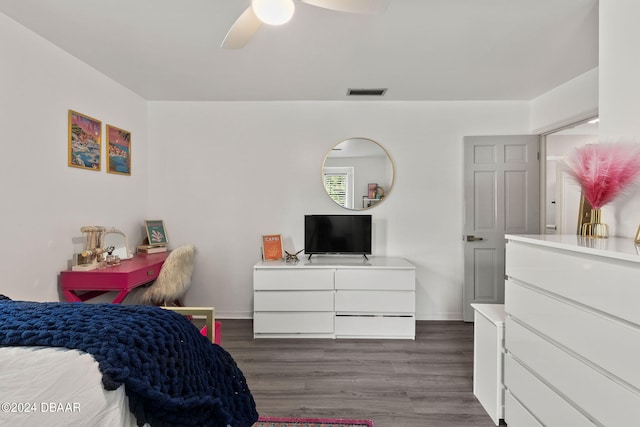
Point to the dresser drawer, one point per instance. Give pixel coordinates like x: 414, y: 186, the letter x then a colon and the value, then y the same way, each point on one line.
x: 618, y: 344
x: 391, y: 279
x: 293, y: 301
x: 292, y: 279
x: 375, y: 302
x: 516, y: 415
x: 550, y: 408
x: 375, y: 326
x: 293, y: 323
x: 606, y: 284
x: 600, y: 395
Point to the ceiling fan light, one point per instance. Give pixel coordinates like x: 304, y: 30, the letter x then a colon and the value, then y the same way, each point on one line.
x: 273, y: 12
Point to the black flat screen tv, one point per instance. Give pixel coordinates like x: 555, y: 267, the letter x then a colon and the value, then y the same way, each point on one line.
x: 337, y: 234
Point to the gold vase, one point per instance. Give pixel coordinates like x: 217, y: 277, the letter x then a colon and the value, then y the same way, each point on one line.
x: 595, y: 228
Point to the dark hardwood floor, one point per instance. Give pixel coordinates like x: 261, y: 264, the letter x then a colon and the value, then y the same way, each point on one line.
x: 395, y: 383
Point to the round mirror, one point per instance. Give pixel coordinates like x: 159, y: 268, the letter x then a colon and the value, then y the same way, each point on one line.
x: 357, y: 173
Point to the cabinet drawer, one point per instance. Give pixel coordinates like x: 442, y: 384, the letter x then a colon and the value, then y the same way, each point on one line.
x: 543, y: 402
x: 402, y: 302
x: 375, y: 326
x: 603, y: 341
x: 146, y: 275
x: 596, y: 392
x: 376, y: 279
x: 293, y: 323
x: 606, y: 284
x: 292, y: 279
x: 516, y: 415
x: 293, y: 301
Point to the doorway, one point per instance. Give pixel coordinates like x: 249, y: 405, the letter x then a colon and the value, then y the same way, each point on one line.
x: 556, y: 208
x: 502, y: 196
x: 561, y: 195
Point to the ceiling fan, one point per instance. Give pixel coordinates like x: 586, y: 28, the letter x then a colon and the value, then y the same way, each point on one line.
x: 277, y: 12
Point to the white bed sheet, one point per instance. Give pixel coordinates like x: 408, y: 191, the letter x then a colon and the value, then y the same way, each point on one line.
x: 44, y: 386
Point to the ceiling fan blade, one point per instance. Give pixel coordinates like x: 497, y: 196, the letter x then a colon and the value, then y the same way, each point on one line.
x: 242, y: 30
x: 351, y: 6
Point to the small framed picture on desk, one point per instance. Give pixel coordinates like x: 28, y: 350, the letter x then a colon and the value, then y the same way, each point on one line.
x: 272, y: 247
x: 156, y: 233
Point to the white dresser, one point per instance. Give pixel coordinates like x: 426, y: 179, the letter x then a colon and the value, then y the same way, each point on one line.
x: 572, y: 331
x: 334, y: 297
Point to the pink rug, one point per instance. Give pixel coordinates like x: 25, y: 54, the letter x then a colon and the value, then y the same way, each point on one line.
x: 310, y: 422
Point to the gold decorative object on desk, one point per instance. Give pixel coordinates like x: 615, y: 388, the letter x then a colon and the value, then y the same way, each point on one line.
x: 93, y: 253
x: 292, y: 257
x: 595, y: 228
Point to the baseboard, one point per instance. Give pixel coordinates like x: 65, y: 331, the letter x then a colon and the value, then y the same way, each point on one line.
x: 419, y: 316
x: 439, y: 316
x: 234, y: 314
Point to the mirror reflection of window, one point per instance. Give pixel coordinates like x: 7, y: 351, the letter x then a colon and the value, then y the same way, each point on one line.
x: 352, y: 167
x: 338, y: 182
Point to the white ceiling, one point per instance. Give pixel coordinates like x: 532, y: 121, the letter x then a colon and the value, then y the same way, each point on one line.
x: 418, y: 49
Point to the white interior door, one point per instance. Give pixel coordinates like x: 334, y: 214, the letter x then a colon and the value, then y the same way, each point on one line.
x: 568, y: 193
x: 502, y: 196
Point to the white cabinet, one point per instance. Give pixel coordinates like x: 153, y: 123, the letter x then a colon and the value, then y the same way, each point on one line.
x: 334, y: 297
x: 488, y: 358
x: 572, y: 331
x: 292, y: 301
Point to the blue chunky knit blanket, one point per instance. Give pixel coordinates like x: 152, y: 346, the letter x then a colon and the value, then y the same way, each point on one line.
x: 173, y: 376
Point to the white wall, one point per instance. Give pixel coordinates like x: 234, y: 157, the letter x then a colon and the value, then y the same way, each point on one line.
x: 566, y: 104
x: 620, y: 95
x: 43, y: 201
x: 224, y: 173
x: 618, y: 100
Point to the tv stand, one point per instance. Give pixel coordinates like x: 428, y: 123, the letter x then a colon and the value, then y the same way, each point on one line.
x: 334, y: 297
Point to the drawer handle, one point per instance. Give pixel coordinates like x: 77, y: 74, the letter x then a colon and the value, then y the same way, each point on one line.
x: 150, y: 273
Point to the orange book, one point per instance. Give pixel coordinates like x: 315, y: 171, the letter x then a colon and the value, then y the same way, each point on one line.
x: 271, y: 247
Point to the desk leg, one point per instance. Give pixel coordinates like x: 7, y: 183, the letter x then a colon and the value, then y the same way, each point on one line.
x: 120, y: 297
x: 70, y: 296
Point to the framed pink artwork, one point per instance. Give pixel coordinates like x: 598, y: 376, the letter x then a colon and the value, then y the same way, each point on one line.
x: 85, y: 141
x: 118, y: 150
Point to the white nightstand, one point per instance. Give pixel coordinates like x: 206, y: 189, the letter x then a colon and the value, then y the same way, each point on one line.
x: 488, y: 358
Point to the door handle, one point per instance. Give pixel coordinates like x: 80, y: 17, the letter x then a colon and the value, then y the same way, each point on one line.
x: 472, y: 238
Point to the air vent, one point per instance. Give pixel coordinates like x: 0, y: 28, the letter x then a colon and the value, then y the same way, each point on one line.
x: 366, y: 92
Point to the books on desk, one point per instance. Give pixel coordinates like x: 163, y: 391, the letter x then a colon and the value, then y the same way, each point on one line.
x: 84, y: 267
x: 151, y: 249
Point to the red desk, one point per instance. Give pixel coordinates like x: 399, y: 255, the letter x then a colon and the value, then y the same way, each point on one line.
x: 80, y: 286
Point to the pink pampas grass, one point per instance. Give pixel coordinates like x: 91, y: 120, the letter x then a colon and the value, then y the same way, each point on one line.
x: 604, y: 170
